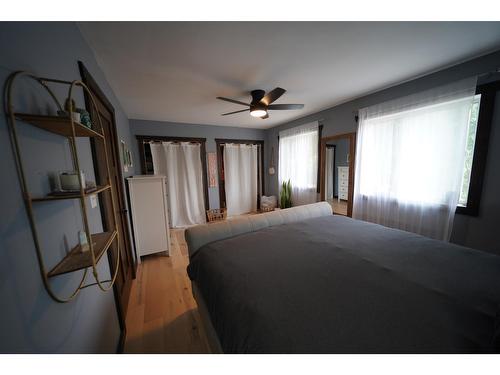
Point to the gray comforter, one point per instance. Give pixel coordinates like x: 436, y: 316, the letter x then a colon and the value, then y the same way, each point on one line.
x: 338, y: 285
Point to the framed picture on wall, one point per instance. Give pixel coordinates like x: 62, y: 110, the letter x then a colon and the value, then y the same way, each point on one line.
x: 212, y: 169
x: 126, y: 156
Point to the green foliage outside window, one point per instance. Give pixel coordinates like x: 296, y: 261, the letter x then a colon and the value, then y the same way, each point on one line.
x: 469, y: 150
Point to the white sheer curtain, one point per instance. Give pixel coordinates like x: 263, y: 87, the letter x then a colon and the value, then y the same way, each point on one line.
x: 241, y: 178
x: 181, y: 164
x: 410, y: 158
x: 298, y: 162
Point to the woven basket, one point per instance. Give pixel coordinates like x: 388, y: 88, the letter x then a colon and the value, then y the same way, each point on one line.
x: 266, y: 209
x: 216, y: 214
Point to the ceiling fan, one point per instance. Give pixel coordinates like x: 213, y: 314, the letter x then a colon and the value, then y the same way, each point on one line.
x: 262, y: 103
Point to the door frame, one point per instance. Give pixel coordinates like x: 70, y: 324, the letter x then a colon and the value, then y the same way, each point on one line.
x: 352, y: 156
x: 88, y: 80
x: 334, y: 171
x: 219, y: 142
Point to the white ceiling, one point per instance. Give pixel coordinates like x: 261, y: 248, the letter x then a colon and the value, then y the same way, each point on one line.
x: 172, y: 71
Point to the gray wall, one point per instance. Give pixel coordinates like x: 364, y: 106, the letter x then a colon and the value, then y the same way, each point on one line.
x: 144, y: 127
x: 30, y: 321
x: 477, y: 232
x: 341, y: 151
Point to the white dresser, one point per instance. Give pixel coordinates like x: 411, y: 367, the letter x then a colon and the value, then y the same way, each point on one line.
x: 149, y: 208
x: 343, y: 183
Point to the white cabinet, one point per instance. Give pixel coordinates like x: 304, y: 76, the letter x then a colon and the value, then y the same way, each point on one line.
x: 343, y: 183
x: 149, y: 208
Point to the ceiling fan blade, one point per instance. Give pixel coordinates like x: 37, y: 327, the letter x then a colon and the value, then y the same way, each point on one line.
x: 285, y: 106
x: 233, y: 101
x: 272, y: 95
x: 231, y: 113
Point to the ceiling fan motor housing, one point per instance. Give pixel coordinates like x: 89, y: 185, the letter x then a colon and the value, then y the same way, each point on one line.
x: 256, y: 104
x: 257, y: 95
x: 262, y: 103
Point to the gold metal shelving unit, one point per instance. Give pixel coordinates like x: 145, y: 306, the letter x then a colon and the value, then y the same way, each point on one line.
x: 99, y: 243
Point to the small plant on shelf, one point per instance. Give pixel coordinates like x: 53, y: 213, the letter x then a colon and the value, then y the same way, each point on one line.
x: 286, y: 194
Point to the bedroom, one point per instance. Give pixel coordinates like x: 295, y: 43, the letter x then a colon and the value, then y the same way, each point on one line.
x: 232, y: 198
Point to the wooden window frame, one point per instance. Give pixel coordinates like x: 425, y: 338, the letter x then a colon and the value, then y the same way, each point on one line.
x: 486, y: 107
x: 219, y: 142
x: 143, y: 139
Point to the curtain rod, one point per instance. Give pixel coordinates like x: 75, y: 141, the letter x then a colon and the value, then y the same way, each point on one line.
x: 239, y: 144
x: 192, y: 142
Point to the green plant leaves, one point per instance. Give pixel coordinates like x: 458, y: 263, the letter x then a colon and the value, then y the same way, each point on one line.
x: 286, y: 194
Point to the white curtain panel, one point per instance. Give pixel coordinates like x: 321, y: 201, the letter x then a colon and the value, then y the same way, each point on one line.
x: 410, y: 159
x: 181, y: 164
x: 298, y: 162
x: 241, y: 178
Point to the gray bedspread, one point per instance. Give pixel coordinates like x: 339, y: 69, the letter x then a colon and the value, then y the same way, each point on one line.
x: 338, y: 285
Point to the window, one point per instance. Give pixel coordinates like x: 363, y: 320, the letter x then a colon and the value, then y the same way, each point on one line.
x: 477, y: 148
x: 469, y: 150
x: 411, y: 155
x: 410, y: 159
x: 298, y: 162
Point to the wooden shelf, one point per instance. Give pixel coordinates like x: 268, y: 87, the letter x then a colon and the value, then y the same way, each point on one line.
x: 58, y: 125
x: 64, y: 126
x: 99, y: 189
x: 77, y: 260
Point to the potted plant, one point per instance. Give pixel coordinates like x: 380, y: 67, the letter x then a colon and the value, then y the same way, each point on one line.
x: 286, y: 194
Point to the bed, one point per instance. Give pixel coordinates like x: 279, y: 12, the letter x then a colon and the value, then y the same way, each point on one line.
x: 305, y: 281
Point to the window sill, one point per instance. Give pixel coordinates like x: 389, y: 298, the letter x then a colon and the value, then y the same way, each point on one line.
x: 467, y: 210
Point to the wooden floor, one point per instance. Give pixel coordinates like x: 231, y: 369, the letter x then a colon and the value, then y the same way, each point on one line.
x: 340, y: 208
x: 162, y: 314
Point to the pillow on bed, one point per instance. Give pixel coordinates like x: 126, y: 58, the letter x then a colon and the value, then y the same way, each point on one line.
x: 199, y: 235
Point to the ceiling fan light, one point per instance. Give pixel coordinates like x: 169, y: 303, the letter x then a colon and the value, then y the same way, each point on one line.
x: 258, y: 113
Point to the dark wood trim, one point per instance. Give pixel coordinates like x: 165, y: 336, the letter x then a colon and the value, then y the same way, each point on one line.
x: 239, y: 141
x: 142, y: 157
x: 131, y: 221
x: 121, y: 342
x: 94, y: 87
x: 318, y: 174
x: 143, y: 139
x: 219, y: 142
x: 166, y: 138
x: 334, y: 170
x: 352, y: 155
x: 220, y: 177
x: 486, y: 107
x: 88, y: 80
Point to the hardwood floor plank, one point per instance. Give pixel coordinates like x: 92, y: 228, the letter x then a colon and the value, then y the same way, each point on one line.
x: 339, y: 208
x: 163, y: 316
x: 135, y: 329
x: 153, y: 338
